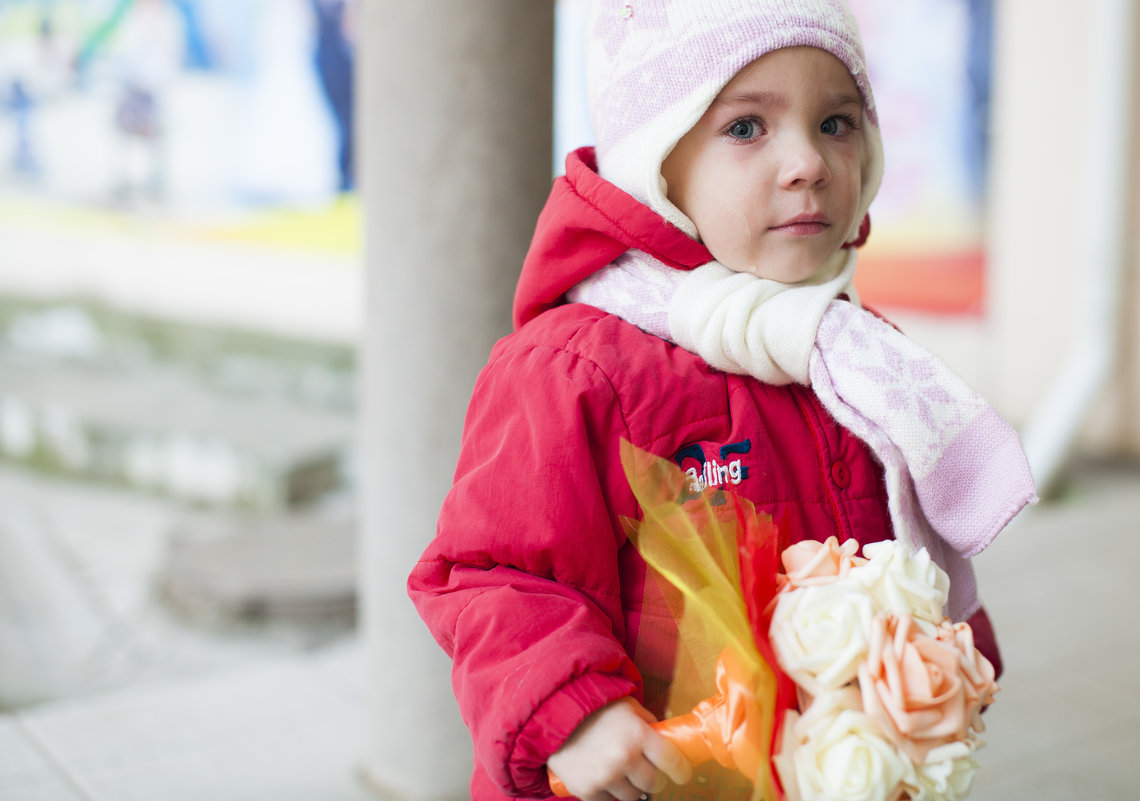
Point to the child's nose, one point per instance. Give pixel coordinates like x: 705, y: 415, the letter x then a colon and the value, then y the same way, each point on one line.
x: 804, y: 165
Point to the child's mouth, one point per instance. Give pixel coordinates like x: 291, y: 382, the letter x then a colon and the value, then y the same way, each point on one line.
x: 803, y: 225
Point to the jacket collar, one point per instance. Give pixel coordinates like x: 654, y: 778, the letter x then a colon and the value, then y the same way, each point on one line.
x: 586, y: 224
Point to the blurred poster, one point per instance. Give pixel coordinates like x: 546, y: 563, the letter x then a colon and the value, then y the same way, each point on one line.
x: 930, y: 65
x: 183, y: 108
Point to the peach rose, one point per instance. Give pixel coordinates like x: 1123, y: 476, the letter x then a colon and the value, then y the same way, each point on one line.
x: 913, y: 685
x: 977, y: 672
x: 810, y: 563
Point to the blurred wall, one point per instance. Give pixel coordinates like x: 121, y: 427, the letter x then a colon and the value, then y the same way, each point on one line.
x: 1044, y: 149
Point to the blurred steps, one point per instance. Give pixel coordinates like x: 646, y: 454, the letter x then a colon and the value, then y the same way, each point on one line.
x: 177, y: 498
x: 286, y: 567
x: 161, y: 431
x: 205, y: 416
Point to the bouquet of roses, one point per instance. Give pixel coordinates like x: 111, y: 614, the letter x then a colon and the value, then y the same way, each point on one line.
x: 838, y: 678
x: 891, y: 691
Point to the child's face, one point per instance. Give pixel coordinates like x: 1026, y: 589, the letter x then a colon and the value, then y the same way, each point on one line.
x: 771, y: 173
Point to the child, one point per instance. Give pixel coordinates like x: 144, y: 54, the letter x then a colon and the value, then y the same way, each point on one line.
x: 682, y: 292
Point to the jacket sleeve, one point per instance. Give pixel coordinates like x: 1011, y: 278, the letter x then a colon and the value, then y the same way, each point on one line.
x: 521, y: 585
x: 985, y: 639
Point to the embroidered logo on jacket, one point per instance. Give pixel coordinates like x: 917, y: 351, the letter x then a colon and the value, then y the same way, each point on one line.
x: 713, y: 471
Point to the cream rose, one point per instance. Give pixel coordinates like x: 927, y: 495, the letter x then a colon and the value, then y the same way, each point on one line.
x: 904, y: 583
x: 833, y: 752
x: 947, y: 774
x: 810, y: 563
x: 912, y: 685
x: 820, y: 634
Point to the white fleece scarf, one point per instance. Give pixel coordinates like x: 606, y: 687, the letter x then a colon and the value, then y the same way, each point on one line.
x: 955, y: 471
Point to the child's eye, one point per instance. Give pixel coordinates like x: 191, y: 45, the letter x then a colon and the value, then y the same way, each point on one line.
x: 744, y: 130
x: 838, y: 125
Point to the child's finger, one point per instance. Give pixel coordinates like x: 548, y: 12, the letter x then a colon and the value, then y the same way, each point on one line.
x: 626, y: 791
x: 645, y: 777
x: 642, y: 712
x: 669, y: 759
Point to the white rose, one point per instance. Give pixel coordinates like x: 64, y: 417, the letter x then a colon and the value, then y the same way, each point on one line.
x: 833, y: 752
x: 820, y: 634
x: 946, y: 775
x: 903, y: 583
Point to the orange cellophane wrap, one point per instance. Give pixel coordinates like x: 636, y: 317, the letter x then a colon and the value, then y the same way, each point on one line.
x: 697, y: 541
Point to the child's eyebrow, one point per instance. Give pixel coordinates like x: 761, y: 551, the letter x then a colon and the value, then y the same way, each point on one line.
x: 845, y: 99
x: 776, y: 100
x: 769, y: 99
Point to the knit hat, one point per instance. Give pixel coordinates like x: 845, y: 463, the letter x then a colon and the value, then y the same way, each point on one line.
x: 655, y: 66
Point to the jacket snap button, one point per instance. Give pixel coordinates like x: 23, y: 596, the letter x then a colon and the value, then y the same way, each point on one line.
x: 841, y: 474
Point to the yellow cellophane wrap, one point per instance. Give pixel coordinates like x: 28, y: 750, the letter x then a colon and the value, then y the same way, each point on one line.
x: 690, y: 537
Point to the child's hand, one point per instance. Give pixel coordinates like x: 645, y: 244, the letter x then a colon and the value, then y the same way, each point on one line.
x: 615, y: 753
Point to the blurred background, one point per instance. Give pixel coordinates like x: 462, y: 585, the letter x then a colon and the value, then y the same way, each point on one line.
x: 179, y: 307
x: 237, y: 241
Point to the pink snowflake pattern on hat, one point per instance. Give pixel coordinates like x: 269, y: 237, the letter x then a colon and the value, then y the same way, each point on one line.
x: 656, y: 60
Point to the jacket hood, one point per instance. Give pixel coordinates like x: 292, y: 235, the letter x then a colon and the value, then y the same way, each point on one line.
x: 586, y: 224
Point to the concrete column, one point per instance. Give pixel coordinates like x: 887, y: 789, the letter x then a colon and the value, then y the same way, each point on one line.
x: 455, y: 135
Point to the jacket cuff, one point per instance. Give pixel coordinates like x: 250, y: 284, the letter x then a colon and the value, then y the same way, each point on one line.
x: 556, y: 719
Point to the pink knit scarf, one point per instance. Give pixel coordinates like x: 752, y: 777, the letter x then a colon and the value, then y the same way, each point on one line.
x: 955, y: 470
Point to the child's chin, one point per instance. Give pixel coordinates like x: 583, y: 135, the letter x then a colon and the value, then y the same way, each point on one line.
x: 782, y: 273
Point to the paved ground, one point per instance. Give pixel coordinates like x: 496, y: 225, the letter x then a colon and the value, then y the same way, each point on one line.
x: 1061, y: 586
x: 112, y: 694
x: 256, y: 719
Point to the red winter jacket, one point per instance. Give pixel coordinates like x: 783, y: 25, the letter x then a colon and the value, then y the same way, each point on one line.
x: 530, y: 585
